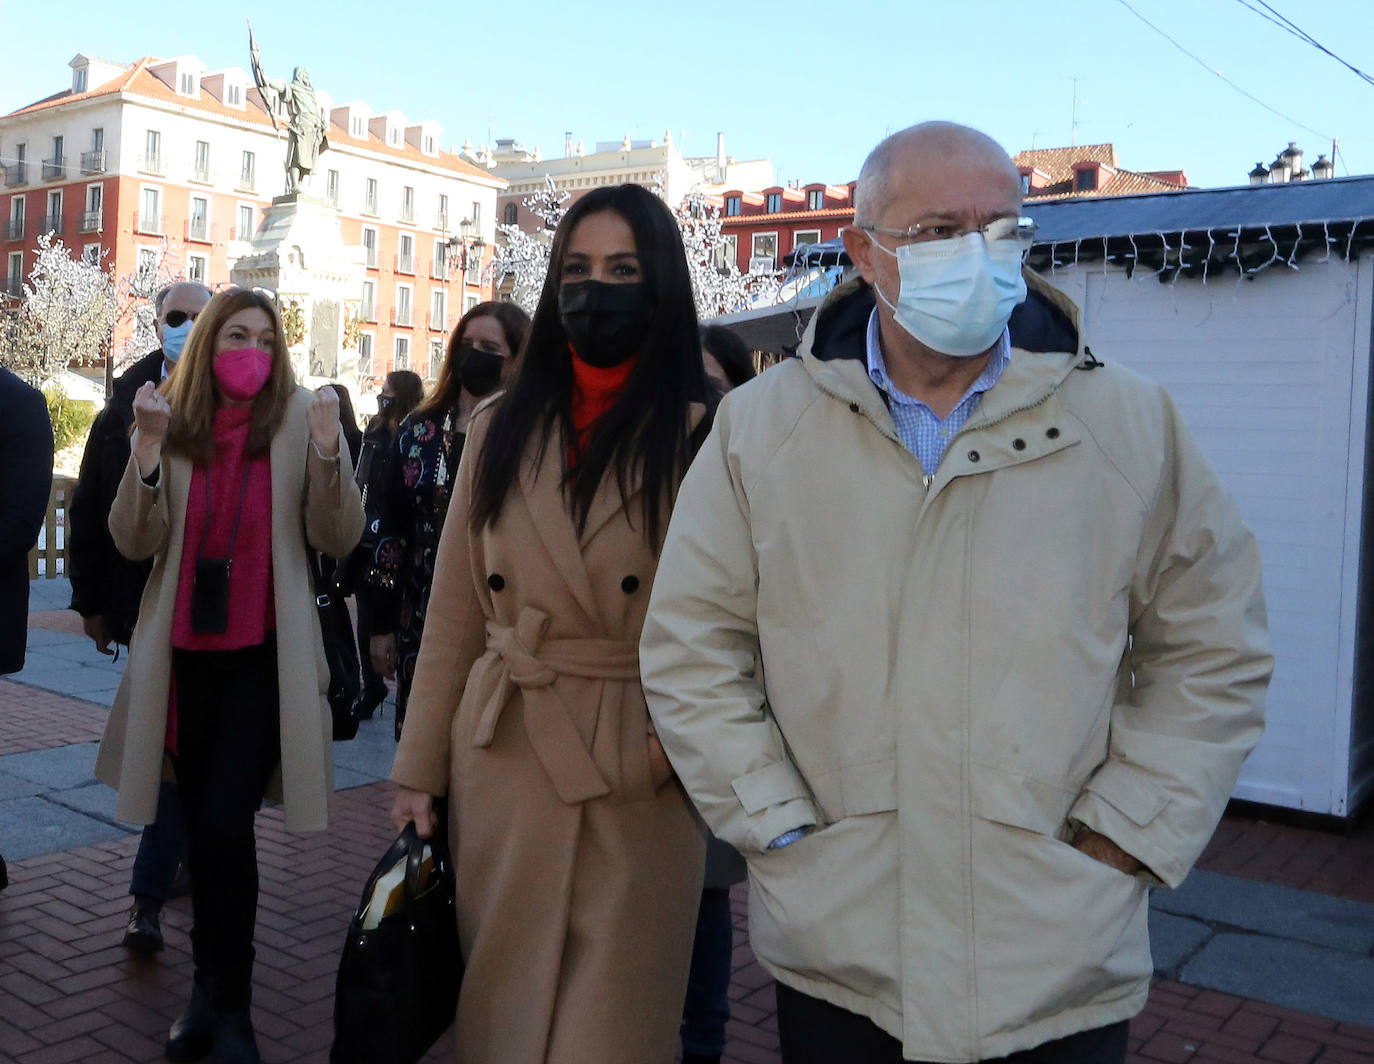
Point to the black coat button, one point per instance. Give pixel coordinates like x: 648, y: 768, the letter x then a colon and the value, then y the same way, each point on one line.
x: 973, y: 456
x: 496, y: 582
x: 630, y: 584
x: 1018, y: 444
x: 1052, y: 433
x: 854, y: 407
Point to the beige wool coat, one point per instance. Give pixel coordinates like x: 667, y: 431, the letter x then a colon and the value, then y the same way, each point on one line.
x: 314, y: 500
x: 578, y: 881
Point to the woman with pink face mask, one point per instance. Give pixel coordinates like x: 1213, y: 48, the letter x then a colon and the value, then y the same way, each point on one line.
x: 235, y: 470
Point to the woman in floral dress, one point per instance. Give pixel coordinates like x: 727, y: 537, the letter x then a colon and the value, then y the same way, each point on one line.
x: 420, y: 478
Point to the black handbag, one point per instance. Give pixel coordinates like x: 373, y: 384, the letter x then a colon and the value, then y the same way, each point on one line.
x: 340, y: 651
x: 397, y: 990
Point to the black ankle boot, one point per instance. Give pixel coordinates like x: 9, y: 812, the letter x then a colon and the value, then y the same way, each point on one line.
x: 193, y: 1034
x: 235, y: 1042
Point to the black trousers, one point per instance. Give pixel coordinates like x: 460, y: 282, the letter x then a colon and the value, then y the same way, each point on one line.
x: 228, y: 745
x: 816, y: 1032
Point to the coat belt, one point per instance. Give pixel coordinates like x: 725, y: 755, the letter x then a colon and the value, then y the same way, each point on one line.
x: 531, y: 664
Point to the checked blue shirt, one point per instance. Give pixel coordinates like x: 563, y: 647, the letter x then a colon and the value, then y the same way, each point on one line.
x: 924, y: 434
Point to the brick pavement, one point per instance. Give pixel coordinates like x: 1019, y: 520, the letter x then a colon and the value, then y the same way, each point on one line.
x: 69, y: 994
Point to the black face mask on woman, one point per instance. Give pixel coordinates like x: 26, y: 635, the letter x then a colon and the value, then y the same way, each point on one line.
x: 480, y: 371
x: 605, y: 322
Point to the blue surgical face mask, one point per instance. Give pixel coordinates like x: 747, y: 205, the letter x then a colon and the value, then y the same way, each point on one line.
x: 174, y: 339
x: 957, y: 295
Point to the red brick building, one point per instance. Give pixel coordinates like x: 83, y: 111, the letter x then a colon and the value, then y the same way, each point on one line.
x: 761, y: 228
x: 1088, y: 170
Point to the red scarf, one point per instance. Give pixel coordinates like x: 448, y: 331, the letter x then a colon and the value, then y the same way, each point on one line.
x: 595, y: 390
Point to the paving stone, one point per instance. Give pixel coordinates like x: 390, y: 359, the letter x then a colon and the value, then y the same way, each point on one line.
x: 95, y: 799
x: 1272, y: 910
x: 1173, y: 939
x: 1332, y: 983
x: 33, y: 826
x: 57, y: 768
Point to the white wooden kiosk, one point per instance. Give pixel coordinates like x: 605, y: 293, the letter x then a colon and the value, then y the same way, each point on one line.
x: 1253, y: 306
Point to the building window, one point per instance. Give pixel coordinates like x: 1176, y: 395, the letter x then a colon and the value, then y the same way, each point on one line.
x: 407, y: 204
x: 80, y: 83
x: 440, y: 271
x: 815, y: 199
x: 402, y: 357
x: 370, y: 197
x: 476, y: 217
x: 331, y: 188
x: 436, y: 310
x: 805, y: 237
x: 150, y: 214
x: 90, y: 254
x: 98, y: 139
x: 355, y: 127
x: 405, y: 254
x: 248, y: 172
x: 367, y: 309
x: 245, y: 226
x: 470, y: 301
x: 473, y: 274
x: 773, y: 203
x: 441, y: 219
x: 1025, y: 184
x: 202, y: 160
x: 512, y: 213
x: 53, y: 224
x: 95, y: 197
x: 403, y: 309
x: 152, y: 152
x: 732, y: 206
x: 146, y: 277
x: 370, y: 246
x: 365, y: 355
x: 187, y: 83
x: 436, y: 359
x: 765, y: 251
x: 1085, y: 180
x: 198, y: 225
x: 14, y: 274
x: 429, y: 145
x: 233, y: 95
x: 727, y: 253
x: 196, y: 268
x: 395, y: 137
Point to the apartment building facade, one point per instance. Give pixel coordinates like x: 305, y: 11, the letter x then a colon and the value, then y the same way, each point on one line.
x: 165, y: 161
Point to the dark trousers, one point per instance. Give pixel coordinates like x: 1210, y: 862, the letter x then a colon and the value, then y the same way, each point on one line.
x: 362, y: 598
x: 161, y: 849
x: 707, y: 1008
x: 816, y: 1032
x: 228, y: 744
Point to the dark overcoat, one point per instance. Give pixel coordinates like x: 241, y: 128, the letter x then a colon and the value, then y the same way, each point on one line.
x: 25, y: 481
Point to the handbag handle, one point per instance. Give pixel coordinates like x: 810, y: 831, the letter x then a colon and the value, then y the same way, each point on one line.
x: 410, y: 848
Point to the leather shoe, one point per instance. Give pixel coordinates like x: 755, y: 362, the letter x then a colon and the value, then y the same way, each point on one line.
x: 368, y: 702
x: 193, y: 1034
x: 235, y: 1042
x: 144, y: 932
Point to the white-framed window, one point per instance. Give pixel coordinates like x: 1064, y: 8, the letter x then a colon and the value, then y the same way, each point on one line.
x: 186, y: 84
x: 53, y: 221
x: 473, y: 274
x: 441, y: 216
x: 401, y: 353
x: 248, y: 171
x: 727, y: 252
x: 404, y: 308
x: 395, y: 136
x: 152, y: 152
x: 198, y: 222
x: 233, y: 94
x: 331, y: 187
x: 429, y: 143
x: 149, y: 210
x: 80, y: 84
x: 367, y: 307
x: 436, y: 359
x: 202, y: 168
x: 98, y: 139
x: 90, y: 254
x: 95, y: 196
x: 772, y: 203
x: 370, y: 246
x: 146, y: 274
x: 512, y: 213
x: 405, y: 253
x: 437, y: 305
x: 17, y: 210
x: 764, y: 250
x: 803, y: 237
x: 370, y: 196
x: 245, y: 228
x: 14, y: 273
x: 476, y: 217
x: 815, y: 199
x: 407, y: 203
x: 469, y: 301
x: 197, y: 268
x: 366, y: 340
x: 440, y: 270
x: 732, y: 206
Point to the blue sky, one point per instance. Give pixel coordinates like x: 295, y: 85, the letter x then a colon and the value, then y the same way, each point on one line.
x: 812, y: 85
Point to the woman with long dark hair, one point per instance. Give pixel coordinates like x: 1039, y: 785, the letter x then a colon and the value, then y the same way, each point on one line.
x: 419, y: 482
x: 401, y: 393
x: 579, y: 859
x: 235, y: 473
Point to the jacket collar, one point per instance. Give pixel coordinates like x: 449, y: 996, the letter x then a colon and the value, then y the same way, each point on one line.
x: 1046, y: 341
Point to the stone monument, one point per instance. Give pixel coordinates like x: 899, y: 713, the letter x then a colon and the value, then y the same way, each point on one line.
x: 298, y: 250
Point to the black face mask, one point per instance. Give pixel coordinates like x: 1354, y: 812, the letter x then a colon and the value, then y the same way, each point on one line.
x: 480, y: 371
x: 605, y: 322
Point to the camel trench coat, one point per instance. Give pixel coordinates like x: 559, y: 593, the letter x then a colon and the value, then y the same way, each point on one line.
x: 578, y: 882
x: 314, y: 500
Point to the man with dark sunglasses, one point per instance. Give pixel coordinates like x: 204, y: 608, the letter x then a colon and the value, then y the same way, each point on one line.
x: 106, y: 588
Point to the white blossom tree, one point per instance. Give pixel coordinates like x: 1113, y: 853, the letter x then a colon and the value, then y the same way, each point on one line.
x: 65, y: 317
x: 524, y: 257
x: 155, y: 270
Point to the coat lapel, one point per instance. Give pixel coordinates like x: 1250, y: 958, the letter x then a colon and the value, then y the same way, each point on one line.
x: 541, y: 486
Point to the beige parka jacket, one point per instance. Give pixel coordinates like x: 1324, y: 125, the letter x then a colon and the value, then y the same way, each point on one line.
x: 314, y: 500
x: 1063, y: 626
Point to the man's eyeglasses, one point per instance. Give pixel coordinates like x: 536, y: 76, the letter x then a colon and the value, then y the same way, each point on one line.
x: 1022, y: 230
x: 177, y: 317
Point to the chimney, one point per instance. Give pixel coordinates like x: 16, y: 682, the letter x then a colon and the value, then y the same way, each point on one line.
x: 720, y: 156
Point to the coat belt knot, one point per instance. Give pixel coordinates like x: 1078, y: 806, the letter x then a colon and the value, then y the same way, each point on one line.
x: 532, y: 664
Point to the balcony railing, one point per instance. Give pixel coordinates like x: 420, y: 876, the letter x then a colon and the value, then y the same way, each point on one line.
x: 248, y: 181
x: 54, y: 168
x: 146, y: 223
x: 14, y: 285
x: 439, y: 267
x: 198, y: 229
x: 17, y: 174
x: 441, y: 221
x: 91, y: 221
x: 150, y: 164
x: 401, y: 316
x: 405, y: 264
x: 13, y: 229
x: 435, y: 322
x: 407, y: 215
x: 370, y: 208
x: 367, y: 312
x: 201, y: 173
x: 93, y: 162
x: 53, y: 224
x: 401, y: 360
